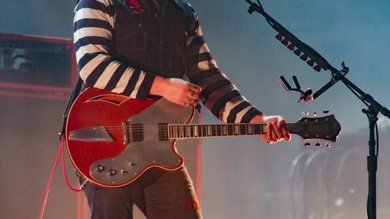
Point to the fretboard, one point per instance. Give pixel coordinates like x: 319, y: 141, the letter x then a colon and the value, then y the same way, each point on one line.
x: 185, y: 131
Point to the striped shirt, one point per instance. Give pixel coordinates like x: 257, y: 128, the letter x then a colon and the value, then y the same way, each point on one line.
x: 94, y: 22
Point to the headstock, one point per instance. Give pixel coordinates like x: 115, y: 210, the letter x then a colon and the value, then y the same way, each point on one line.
x: 320, y: 128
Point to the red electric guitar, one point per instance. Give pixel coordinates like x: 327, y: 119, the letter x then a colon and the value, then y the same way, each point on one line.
x: 112, y: 139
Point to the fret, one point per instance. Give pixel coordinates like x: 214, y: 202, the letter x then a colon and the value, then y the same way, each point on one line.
x: 189, y: 131
x: 204, y: 130
x: 177, y: 132
x: 209, y: 131
x: 243, y: 129
x: 224, y: 130
x: 196, y: 131
x: 174, y: 132
x: 258, y: 129
x: 230, y: 129
x: 236, y: 129
x: 250, y: 129
x: 218, y: 130
x: 182, y: 131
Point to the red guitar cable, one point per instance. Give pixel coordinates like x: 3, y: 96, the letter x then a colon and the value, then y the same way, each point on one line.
x: 60, y: 152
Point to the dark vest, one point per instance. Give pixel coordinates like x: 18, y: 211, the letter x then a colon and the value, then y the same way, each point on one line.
x: 154, y: 41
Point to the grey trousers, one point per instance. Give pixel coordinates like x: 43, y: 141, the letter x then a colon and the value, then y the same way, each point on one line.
x: 158, y: 194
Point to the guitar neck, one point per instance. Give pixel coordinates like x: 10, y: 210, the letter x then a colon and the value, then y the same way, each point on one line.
x: 325, y: 128
x: 186, y: 131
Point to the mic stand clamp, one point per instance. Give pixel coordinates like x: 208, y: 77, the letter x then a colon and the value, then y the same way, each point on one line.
x: 304, y: 95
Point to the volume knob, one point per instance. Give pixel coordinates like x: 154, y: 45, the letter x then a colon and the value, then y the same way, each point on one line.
x: 112, y: 172
x: 100, y: 168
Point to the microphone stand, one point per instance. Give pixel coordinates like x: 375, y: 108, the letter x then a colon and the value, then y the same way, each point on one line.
x: 313, y: 58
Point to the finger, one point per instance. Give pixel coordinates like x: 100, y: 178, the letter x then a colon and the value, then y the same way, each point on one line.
x: 274, y: 136
x: 264, y: 138
x: 193, y: 95
x: 278, y: 129
x: 195, y: 89
x: 269, y: 134
x: 191, y: 101
x: 285, y: 134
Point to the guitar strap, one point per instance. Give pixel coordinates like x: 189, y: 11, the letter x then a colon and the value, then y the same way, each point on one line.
x: 75, y: 93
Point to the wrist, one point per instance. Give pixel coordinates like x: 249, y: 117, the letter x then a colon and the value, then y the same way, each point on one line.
x: 259, y: 118
x: 158, y: 86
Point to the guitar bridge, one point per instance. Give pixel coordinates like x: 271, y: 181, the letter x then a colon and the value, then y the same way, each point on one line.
x: 126, y: 133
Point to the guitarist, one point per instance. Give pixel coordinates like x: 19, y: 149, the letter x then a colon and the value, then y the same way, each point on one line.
x: 143, y: 48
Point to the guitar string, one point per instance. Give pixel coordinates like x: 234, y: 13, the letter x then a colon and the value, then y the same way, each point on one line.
x: 185, y: 133
x: 156, y: 127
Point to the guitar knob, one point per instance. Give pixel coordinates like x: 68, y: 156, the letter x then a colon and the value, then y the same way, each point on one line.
x: 124, y: 172
x: 112, y: 172
x: 100, y: 168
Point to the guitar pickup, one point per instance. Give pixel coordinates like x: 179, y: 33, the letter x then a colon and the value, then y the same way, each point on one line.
x: 132, y: 132
x: 91, y: 134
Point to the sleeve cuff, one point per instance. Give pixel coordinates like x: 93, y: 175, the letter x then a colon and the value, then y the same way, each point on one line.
x: 250, y: 114
x: 144, y: 90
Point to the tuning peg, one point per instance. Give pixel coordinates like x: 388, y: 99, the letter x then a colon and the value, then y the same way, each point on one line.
x: 326, y: 112
x: 304, y: 57
x: 328, y: 145
x: 305, y: 114
x: 310, y: 62
x: 315, y: 114
x: 279, y: 37
x: 307, y: 144
x: 317, y: 68
x: 291, y: 46
x: 318, y: 144
x: 284, y: 41
x: 298, y: 52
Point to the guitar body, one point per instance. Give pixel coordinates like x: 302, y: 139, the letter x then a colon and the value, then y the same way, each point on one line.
x: 101, y: 145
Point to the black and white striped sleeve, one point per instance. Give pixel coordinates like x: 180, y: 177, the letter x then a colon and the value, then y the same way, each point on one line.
x: 93, y: 28
x: 222, y: 97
